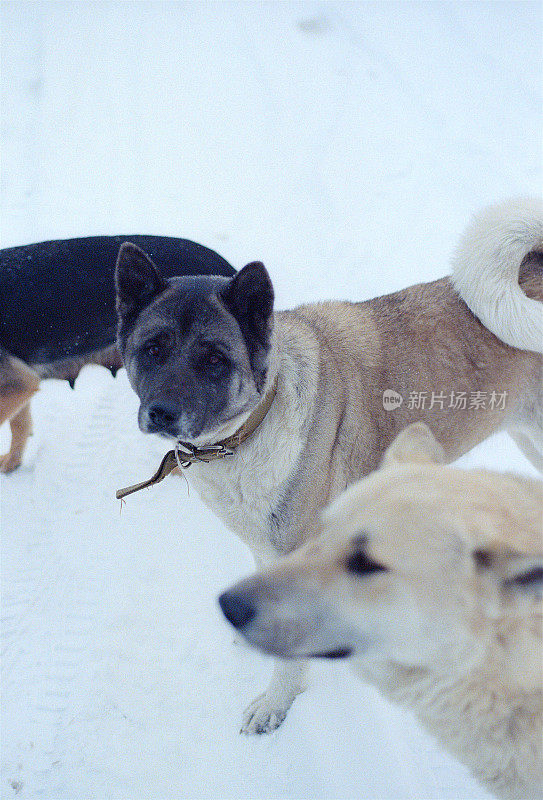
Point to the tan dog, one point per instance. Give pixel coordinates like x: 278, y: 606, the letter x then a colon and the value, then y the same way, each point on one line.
x: 204, y: 355
x: 429, y: 579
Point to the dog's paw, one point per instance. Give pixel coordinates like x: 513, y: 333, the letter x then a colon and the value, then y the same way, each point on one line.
x: 10, y: 462
x: 268, y: 710
x: 263, y: 715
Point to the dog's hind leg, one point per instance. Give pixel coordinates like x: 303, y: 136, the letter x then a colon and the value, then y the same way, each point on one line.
x: 18, y: 382
x: 21, y: 428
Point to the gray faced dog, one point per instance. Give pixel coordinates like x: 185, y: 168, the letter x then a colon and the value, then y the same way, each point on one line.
x: 197, y: 358
x: 280, y: 412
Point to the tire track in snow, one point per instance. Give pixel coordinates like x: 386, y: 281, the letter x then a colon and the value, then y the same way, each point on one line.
x: 52, y: 594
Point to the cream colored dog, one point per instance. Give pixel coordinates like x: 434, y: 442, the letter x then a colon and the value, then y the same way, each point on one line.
x: 429, y: 579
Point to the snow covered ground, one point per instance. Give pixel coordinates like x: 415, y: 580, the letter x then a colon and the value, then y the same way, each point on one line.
x: 345, y: 145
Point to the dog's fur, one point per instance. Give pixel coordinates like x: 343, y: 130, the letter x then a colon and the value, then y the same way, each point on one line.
x: 57, y: 314
x: 201, y: 354
x: 430, y: 579
x: 20, y: 381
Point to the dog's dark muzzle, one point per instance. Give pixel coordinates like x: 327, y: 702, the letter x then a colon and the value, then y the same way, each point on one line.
x: 160, y: 418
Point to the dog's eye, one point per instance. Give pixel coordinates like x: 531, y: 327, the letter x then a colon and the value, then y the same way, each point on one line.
x: 213, y: 359
x: 154, y: 350
x: 360, y: 564
x: 157, y: 348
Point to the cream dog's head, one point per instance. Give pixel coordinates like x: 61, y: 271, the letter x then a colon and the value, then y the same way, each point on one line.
x: 412, y: 565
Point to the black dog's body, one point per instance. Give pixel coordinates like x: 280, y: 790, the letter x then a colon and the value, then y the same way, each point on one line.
x: 57, y: 312
x: 58, y: 298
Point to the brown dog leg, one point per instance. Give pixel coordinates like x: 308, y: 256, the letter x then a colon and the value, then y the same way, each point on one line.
x: 18, y: 382
x: 21, y: 428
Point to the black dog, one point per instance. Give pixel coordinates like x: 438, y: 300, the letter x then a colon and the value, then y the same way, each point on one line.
x: 57, y: 313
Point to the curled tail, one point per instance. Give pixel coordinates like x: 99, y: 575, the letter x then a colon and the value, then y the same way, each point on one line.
x: 486, y: 268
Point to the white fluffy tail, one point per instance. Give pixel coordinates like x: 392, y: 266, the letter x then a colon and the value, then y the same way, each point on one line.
x: 486, y: 267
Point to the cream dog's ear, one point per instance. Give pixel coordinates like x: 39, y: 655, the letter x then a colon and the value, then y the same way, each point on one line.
x: 416, y: 444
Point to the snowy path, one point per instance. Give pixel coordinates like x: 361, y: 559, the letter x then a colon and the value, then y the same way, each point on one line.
x: 345, y: 144
x: 120, y: 677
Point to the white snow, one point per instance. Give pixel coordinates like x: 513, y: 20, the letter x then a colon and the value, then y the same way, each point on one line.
x: 345, y: 145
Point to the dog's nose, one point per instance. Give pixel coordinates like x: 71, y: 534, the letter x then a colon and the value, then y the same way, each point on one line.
x: 161, y: 416
x: 237, y: 609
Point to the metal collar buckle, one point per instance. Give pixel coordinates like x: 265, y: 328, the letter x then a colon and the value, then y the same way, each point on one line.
x: 216, y: 451
x: 186, y: 454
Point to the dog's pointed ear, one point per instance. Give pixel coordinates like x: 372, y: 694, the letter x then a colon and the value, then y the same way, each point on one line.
x: 249, y: 296
x: 416, y: 444
x: 137, y: 280
x: 514, y: 572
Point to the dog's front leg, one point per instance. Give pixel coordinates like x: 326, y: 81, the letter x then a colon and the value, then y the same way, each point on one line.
x: 268, y: 710
x: 289, y: 678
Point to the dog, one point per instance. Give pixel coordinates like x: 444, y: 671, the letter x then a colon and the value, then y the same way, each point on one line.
x: 277, y: 413
x: 429, y: 580
x: 58, y: 314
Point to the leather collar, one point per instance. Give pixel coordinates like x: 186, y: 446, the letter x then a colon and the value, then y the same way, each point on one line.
x: 184, y: 454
